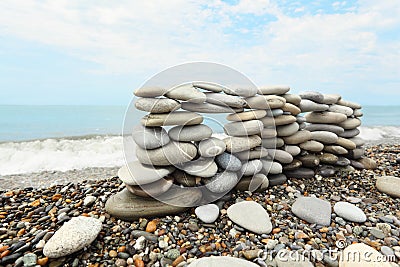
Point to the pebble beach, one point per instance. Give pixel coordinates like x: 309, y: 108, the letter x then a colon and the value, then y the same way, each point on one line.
x: 30, y: 216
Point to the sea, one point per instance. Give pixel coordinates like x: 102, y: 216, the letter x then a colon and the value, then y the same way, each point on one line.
x: 61, y: 138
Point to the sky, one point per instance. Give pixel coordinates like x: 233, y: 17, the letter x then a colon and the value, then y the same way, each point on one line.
x: 97, y: 52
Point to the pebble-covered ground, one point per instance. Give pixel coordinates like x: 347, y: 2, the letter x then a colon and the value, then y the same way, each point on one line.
x: 29, y: 217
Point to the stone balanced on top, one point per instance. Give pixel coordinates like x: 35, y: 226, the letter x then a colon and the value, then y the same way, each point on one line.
x: 266, y: 140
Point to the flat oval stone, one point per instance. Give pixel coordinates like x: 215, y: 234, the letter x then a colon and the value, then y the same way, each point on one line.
x: 292, y: 150
x: 350, y: 133
x: 346, y: 143
x: 213, y: 87
x: 242, y: 143
x: 273, y: 90
x: 349, y: 104
x: 362, y: 255
x: 350, y: 123
x: 265, y: 102
x: 222, y: 182
x: 221, y: 261
x: 245, y: 91
x: 256, y: 183
x: 186, y: 92
x: 287, y: 130
x: 313, y: 96
x: 251, y: 167
x: 251, y: 216
x: 201, y: 167
x: 338, y: 150
x: 357, y: 165
x: 325, y: 127
x: 309, y: 161
x: 172, y: 153
x: 292, y: 109
x: 341, y: 109
x: 243, y: 128
x: 277, y: 179
x: 280, y: 155
x: 294, y: 99
x: 324, y: 137
x: 173, y: 118
x: 157, y: 105
x: 358, y: 141
x: 271, y: 167
x: 330, y: 99
x: 349, y: 212
x: 294, y: 165
x: 184, y: 178
x: 150, y: 91
x: 207, y: 213
x: 268, y: 133
x: 313, y: 210
x: 328, y: 158
x: 247, y: 115
x: 225, y: 100
x: 368, y: 163
x: 228, y: 162
x: 308, y: 106
x: 208, y: 108
x: 127, y: 206
x: 312, y: 146
x: 150, y: 137
x: 301, y: 173
x: 326, y: 171
x: 270, y: 143
x: 256, y: 153
x: 298, y: 138
x: 137, y: 174
x: 280, y: 120
x: 190, y: 133
x: 358, y: 113
x: 275, y: 112
x: 325, y: 117
x: 389, y: 185
x: 153, y: 189
x: 211, y: 147
x: 72, y: 236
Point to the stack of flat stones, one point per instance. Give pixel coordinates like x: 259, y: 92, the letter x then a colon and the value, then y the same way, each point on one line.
x: 331, y: 141
x: 267, y: 141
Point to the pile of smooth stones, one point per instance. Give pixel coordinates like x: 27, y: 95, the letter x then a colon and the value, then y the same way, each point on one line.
x: 269, y: 136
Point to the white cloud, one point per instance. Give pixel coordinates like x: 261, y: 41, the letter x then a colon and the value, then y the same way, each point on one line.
x: 141, y: 37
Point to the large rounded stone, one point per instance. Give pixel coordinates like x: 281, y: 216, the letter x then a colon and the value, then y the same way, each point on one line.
x: 294, y: 99
x: 274, y: 112
x: 173, y: 118
x: 151, y: 190
x: 346, y: 143
x: 251, y: 216
x: 349, y: 104
x: 150, y: 91
x: 301, y: 173
x: 368, y: 163
x: 184, y: 178
x: 272, y: 142
x: 349, y: 212
x: 350, y: 133
x: 208, y: 86
x: 211, y: 147
x: 273, y: 90
x: 324, y: 137
x: 127, y: 206
x: 389, y: 185
x: 243, y: 128
x: 277, y: 179
x: 157, y: 105
x: 172, y: 153
x: 350, y: 123
x: 258, y: 183
x: 337, y: 150
x: 292, y: 109
x: 271, y: 167
x: 325, y: 117
x: 330, y: 99
x: 245, y: 91
x: 228, y: 162
x: 137, y: 174
x: 312, y: 146
x: 190, y: 133
x: 268, y: 133
x: 72, y: 236
x: 265, y: 102
x: 325, y: 127
x: 150, y: 137
x: 309, y: 161
x: 238, y: 144
x: 225, y: 100
x: 280, y: 155
x: 294, y: 165
x: 341, y: 109
x: 186, y: 92
x: 313, y: 210
x: 313, y: 96
x: 247, y: 115
x: 256, y: 153
x: 222, y: 182
x: 251, y: 167
x: 308, y: 106
x: 292, y: 150
x: 328, y: 158
x: 362, y: 255
x: 208, y: 108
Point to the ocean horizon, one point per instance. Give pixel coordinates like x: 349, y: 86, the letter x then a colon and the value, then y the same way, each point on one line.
x: 61, y: 138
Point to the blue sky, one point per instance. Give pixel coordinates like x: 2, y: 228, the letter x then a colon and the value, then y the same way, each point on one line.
x: 74, y: 52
